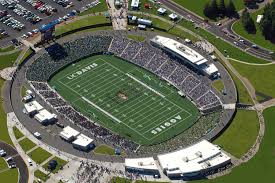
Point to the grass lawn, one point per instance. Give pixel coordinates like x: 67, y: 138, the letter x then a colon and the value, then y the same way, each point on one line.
x: 26, y: 144
x: 261, y: 167
x: 10, y: 176
x: 243, y: 95
x: 98, y: 8
x: 60, y: 163
x: 40, y: 175
x: 4, y: 135
x: 136, y: 37
x: 23, y: 91
x: 18, y: 134
x: 26, y: 55
x: 6, y: 49
x: 84, y: 22
x: 231, y: 50
x: 163, y: 28
x: 257, y: 38
x: 104, y: 149
x: 218, y: 85
x: 197, y: 6
x: 3, y: 164
x: 8, y: 60
x: 143, y: 181
x: 120, y: 180
x: 243, y: 131
x: 39, y: 155
x: 261, y: 77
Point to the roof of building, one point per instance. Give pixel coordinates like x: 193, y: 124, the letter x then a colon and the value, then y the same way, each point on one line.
x: 33, y: 106
x: 210, y: 69
x: 44, y: 115
x: 68, y: 132
x: 83, y: 140
x: 195, y: 158
x: 179, y: 48
x: 141, y: 163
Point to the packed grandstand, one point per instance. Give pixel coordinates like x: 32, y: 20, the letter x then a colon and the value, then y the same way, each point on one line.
x: 171, y: 69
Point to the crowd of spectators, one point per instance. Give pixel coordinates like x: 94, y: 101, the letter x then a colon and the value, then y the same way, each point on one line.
x: 57, y: 56
x: 94, y: 173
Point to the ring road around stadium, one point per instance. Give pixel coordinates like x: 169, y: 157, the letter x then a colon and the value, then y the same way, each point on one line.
x: 147, y: 97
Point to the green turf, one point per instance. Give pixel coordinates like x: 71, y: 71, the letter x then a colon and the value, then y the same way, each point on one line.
x: 40, y: 175
x: 261, y: 167
x: 83, y: 22
x: 8, y: 60
x: 136, y: 37
x: 4, y: 135
x: 39, y: 155
x: 60, y: 163
x: 3, y: 164
x: 243, y: 130
x: 26, y: 144
x: 123, y: 104
x: 10, y: 176
x: 18, y: 134
x: 104, y: 149
x: 197, y: 6
x: 99, y: 8
x: 6, y: 49
x: 257, y: 38
x: 218, y: 85
x: 261, y: 77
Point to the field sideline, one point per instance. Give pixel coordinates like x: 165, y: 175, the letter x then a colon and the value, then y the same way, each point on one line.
x: 126, y: 99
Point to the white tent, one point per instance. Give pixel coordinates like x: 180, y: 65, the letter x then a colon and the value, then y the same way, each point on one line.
x: 83, y: 142
x: 68, y: 133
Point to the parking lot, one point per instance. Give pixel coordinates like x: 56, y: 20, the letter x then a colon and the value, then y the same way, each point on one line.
x: 19, y: 17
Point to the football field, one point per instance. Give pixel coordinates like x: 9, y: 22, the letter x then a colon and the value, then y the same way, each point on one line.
x: 125, y: 99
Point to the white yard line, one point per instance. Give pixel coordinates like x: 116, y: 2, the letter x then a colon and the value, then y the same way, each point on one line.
x: 146, y: 86
x: 102, y: 110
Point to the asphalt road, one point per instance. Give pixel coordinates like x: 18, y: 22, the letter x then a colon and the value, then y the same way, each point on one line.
x: 219, y: 31
x: 23, y: 169
x: 61, y: 11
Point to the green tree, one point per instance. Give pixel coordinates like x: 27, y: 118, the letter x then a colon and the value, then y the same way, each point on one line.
x: 230, y: 9
x: 248, y: 22
x: 268, y: 22
x: 222, y: 8
x: 214, y: 8
x: 207, y: 10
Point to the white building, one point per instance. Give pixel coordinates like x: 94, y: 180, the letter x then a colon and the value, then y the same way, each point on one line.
x: 44, y: 116
x: 68, y: 134
x: 193, y: 160
x: 142, y: 165
x: 135, y: 4
x: 186, y: 54
x: 32, y: 107
x: 83, y: 142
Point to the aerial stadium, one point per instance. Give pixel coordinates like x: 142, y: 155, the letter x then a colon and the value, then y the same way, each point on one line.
x: 153, y: 97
